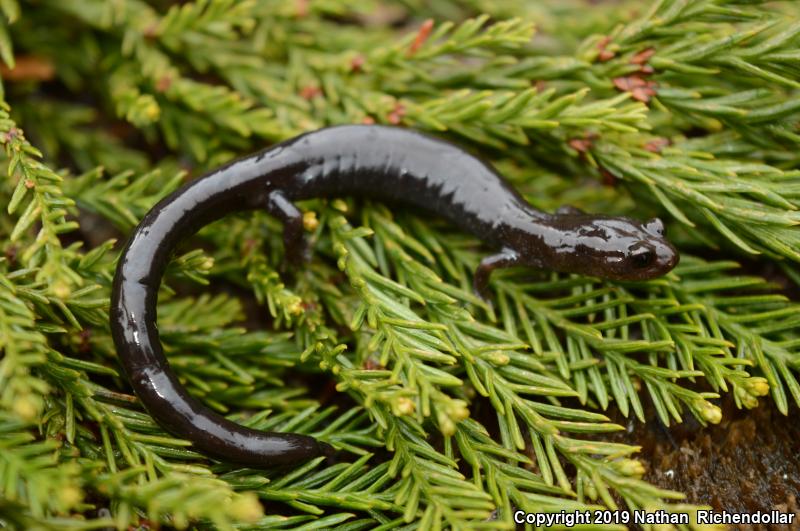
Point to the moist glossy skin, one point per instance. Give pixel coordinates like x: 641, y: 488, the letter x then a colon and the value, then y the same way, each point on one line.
x: 385, y: 163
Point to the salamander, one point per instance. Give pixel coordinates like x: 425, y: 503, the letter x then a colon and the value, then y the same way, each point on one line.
x: 379, y: 162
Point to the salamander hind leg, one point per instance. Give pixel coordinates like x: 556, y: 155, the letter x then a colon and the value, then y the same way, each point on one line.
x: 295, y: 247
x: 505, y: 258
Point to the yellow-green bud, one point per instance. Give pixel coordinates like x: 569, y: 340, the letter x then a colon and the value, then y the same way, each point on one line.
x: 310, y: 221
x: 458, y: 410
x: 60, y: 289
x: 295, y: 306
x: 403, y: 406
x: 757, y: 386
x: 69, y: 496
x: 749, y: 401
x: 630, y: 467
x: 27, y: 407
x: 246, y: 507
x: 708, y: 411
x: 446, y: 425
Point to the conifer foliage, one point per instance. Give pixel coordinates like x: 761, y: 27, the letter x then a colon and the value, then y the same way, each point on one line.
x: 447, y: 411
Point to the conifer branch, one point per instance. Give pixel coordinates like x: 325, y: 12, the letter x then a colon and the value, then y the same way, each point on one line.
x: 446, y: 411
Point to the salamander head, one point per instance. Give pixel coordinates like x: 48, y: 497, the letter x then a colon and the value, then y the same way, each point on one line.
x: 614, y: 248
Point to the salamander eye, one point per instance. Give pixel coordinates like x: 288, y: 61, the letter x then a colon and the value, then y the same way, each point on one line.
x: 641, y: 257
x: 655, y: 227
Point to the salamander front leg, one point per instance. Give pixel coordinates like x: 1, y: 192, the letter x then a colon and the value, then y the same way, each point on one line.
x: 294, y: 244
x: 505, y: 258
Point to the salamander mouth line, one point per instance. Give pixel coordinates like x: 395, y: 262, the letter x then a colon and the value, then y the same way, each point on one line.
x: 377, y: 162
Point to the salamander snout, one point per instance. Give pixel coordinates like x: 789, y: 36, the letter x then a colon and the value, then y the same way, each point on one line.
x: 616, y: 248
x: 647, y: 254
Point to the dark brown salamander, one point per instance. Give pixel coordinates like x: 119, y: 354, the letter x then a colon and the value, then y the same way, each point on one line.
x: 379, y: 162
